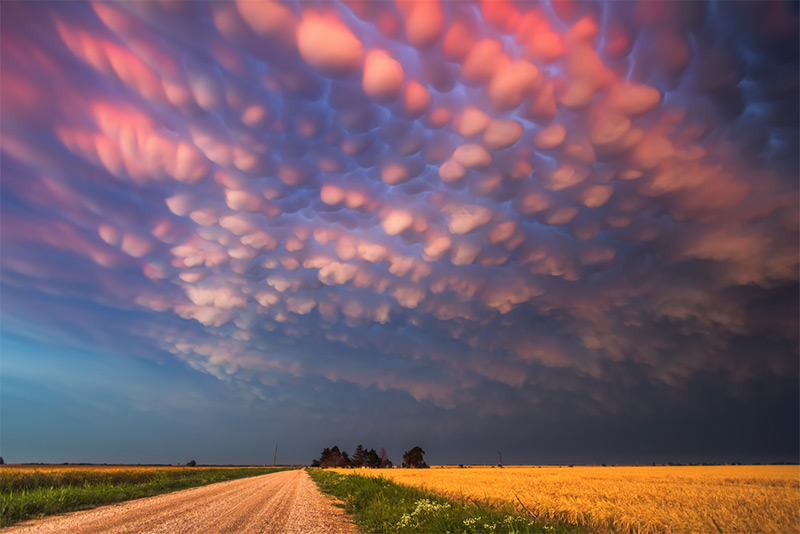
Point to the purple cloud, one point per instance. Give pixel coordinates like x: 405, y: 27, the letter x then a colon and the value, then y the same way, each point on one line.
x: 479, y: 206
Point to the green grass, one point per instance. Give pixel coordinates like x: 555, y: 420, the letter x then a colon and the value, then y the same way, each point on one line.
x: 379, y: 505
x: 29, y: 494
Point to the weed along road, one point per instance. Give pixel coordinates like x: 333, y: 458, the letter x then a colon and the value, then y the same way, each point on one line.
x: 285, y: 502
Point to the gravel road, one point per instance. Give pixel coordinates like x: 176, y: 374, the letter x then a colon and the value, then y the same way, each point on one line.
x: 287, y: 502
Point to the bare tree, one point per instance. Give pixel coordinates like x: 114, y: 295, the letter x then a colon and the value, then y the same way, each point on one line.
x: 385, y: 462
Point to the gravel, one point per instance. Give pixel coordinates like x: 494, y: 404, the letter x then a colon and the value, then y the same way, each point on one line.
x: 286, y: 502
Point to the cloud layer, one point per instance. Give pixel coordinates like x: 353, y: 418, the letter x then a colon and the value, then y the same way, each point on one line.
x: 497, y: 207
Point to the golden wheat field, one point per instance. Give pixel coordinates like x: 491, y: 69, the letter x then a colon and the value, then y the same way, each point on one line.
x: 630, y: 499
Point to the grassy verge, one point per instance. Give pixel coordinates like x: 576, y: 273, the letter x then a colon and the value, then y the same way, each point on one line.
x: 26, y: 494
x: 379, y: 505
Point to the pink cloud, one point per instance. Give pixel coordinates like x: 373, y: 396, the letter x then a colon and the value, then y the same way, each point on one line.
x: 383, y: 76
x: 448, y: 167
x: 327, y: 44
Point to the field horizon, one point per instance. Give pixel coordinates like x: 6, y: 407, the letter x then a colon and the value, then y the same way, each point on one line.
x: 431, y: 466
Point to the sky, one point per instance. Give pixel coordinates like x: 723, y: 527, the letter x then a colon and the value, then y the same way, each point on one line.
x: 565, y: 231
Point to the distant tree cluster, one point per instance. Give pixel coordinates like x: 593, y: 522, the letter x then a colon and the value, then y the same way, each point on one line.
x: 335, y: 457
x: 366, y: 458
x: 332, y: 457
x: 362, y: 457
x: 414, y: 458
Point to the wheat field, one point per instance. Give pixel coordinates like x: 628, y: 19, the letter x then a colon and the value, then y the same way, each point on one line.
x: 629, y: 499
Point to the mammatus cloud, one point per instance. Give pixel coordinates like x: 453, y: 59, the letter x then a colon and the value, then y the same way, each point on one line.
x: 475, y: 204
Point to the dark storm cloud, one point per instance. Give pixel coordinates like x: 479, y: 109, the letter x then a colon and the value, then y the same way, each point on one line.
x: 508, y: 209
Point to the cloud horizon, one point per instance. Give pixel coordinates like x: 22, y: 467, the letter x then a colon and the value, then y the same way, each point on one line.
x: 445, y: 222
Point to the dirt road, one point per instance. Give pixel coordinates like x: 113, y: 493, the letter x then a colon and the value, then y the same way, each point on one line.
x: 285, y: 502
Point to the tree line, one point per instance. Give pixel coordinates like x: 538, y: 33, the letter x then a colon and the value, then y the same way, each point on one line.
x: 335, y: 457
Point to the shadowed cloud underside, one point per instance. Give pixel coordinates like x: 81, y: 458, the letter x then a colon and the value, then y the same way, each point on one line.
x: 539, y: 213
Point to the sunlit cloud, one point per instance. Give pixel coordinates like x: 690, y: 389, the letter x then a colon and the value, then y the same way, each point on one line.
x: 446, y: 200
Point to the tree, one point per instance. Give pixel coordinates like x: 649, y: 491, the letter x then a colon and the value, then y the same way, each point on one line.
x: 324, y: 456
x: 191, y: 463
x: 2, y: 462
x: 386, y: 463
x: 360, y: 456
x: 373, y: 460
x: 414, y: 458
x: 334, y: 458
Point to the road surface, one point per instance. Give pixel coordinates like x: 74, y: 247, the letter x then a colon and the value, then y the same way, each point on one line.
x: 285, y: 502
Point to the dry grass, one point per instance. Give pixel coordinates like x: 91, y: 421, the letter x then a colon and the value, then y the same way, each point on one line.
x: 631, y: 499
